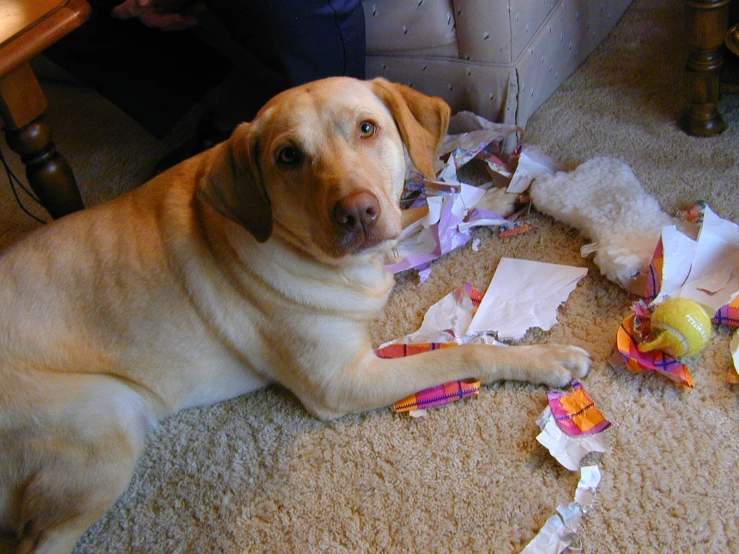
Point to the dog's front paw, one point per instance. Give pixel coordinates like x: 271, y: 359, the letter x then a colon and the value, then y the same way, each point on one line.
x: 498, y: 201
x: 557, y: 365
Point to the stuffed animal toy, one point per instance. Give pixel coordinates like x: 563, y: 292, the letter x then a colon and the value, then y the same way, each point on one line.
x: 604, y: 200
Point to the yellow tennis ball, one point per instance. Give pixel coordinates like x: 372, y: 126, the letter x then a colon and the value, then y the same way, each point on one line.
x: 681, y: 327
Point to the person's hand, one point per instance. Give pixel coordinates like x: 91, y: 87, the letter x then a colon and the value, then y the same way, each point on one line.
x: 167, y: 15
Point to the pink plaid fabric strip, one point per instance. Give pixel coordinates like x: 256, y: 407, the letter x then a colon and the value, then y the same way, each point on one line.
x: 448, y: 392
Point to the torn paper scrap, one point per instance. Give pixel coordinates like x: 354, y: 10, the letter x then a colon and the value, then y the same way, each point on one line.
x: 587, y: 486
x: 450, y: 316
x: 435, y: 396
x: 575, y: 411
x: 656, y: 360
x: 560, y: 531
x: 447, y: 320
x: 481, y: 218
x: 462, y: 149
x: 567, y: 450
x: 524, y: 294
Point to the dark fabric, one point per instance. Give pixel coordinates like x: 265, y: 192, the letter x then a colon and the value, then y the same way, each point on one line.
x: 304, y: 39
x: 153, y: 76
x: 156, y: 76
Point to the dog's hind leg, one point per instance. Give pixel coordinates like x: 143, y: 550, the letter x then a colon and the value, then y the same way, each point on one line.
x: 81, y: 465
x: 60, y: 503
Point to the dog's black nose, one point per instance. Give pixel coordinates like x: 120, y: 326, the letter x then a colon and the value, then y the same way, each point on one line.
x: 357, y: 212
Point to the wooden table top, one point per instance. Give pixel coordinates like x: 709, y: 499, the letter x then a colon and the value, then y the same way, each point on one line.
x: 27, y: 27
x: 18, y: 15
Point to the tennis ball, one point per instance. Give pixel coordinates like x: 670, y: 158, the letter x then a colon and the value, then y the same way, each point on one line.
x: 681, y: 327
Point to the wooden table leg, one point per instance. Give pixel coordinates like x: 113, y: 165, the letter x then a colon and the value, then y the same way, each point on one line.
x: 47, y: 171
x: 706, y: 23
x: 22, y: 104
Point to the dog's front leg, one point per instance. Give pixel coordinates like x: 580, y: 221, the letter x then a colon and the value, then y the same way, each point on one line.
x: 373, y: 382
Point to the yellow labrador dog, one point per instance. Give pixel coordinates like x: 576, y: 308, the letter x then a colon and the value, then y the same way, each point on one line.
x: 257, y: 261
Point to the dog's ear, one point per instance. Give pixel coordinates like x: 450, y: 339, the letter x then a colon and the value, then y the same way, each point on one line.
x: 422, y: 121
x: 233, y: 184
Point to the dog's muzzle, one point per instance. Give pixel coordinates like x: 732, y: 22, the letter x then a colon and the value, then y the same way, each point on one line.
x: 357, y: 215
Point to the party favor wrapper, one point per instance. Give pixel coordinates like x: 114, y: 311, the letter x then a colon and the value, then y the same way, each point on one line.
x: 575, y: 412
x: 571, y: 425
x: 567, y: 450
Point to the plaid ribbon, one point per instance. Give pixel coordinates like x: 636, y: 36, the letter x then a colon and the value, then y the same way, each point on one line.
x: 448, y: 392
x: 443, y: 394
x: 575, y: 412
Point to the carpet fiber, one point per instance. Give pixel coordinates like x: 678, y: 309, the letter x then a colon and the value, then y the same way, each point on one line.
x: 258, y: 474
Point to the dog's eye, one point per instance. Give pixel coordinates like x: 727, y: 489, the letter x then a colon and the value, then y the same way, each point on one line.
x: 367, y: 129
x: 288, y: 155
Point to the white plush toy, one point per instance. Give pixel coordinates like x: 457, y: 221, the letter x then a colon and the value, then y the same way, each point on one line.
x: 605, y: 201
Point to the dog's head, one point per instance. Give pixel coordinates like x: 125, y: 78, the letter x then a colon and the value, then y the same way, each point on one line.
x: 322, y: 165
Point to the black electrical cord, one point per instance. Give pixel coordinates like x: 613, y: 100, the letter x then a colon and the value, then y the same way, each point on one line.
x: 16, y: 183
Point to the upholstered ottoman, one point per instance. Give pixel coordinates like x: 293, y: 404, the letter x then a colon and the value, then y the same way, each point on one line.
x: 498, y: 58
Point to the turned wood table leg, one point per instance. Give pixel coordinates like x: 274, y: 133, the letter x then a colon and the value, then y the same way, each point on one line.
x: 47, y: 171
x: 22, y: 104
x: 706, y: 22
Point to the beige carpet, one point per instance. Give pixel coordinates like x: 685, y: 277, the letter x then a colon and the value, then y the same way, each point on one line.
x: 258, y: 474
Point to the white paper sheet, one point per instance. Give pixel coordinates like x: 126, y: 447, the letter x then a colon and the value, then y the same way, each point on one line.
x: 524, y: 294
